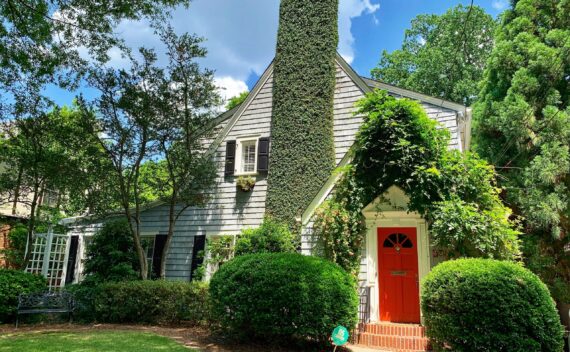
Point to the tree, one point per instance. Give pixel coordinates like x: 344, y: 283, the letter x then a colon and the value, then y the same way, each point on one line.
x: 120, y: 118
x: 152, y: 122
x: 237, y: 100
x: 41, y: 41
x: 523, y: 127
x: 187, y: 99
x: 442, y: 55
x: 48, y: 152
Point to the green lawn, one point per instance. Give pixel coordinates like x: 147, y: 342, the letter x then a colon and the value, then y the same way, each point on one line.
x: 88, y: 342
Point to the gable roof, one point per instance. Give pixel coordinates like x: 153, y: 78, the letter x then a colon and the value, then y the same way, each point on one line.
x: 365, y: 84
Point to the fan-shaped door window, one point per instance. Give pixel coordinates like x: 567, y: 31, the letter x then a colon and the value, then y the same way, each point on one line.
x: 397, y: 241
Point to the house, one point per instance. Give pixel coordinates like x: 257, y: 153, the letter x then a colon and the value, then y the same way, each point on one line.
x: 241, y: 148
x: 396, y: 254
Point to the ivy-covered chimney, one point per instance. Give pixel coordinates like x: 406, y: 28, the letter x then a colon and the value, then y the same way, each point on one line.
x: 302, y: 145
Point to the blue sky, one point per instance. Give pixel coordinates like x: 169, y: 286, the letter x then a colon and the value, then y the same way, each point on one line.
x: 241, y: 35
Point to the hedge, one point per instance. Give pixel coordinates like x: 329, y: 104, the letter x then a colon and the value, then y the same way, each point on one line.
x: 302, y: 146
x: 489, y: 305
x: 152, y: 302
x: 278, y: 296
x: 14, y: 283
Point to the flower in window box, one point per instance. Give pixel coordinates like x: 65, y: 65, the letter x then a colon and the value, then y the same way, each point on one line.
x: 245, y: 183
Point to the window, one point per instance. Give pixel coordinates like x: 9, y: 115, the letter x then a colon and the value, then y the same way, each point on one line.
x: 153, y: 246
x: 246, y: 157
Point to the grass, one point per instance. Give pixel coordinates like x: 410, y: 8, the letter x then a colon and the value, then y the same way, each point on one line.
x: 124, y: 341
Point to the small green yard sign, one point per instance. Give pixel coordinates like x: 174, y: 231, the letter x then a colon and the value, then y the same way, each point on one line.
x: 340, y: 335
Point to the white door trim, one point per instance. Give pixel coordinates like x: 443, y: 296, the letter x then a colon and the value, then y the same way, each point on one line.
x: 392, y: 219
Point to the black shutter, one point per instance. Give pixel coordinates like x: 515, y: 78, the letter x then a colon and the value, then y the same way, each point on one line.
x: 230, y: 157
x: 263, y: 155
x: 197, y: 253
x: 159, y: 242
x: 71, y: 259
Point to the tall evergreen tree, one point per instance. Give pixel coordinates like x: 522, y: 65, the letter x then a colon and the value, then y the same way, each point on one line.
x: 302, y: 150
x: 523, y: 127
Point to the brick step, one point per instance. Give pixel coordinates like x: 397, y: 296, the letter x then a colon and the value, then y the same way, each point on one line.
x: 392, y: 337
x: 393, y: 343
x: 393, y: 329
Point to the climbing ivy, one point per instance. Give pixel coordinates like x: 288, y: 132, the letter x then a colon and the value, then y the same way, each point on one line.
x: 302, y: 151
x: 398, y: 144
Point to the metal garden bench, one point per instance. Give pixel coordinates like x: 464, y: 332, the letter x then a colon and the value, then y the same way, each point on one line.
x: 44, y: 303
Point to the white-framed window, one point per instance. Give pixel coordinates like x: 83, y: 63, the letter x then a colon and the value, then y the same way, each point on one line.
x: 246, y: 156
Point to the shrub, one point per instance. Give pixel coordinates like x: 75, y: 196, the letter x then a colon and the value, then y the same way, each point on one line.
x: 17, y: 239
x: 111, y: 256
x: 340, y: 234
x: 489, y: 305
x: 271, y: 237
x: 153, y: 302
x: 12, y: 284
x: 272, y: 296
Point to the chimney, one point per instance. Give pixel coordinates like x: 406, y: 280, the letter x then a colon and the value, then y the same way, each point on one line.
x: 302, y: 145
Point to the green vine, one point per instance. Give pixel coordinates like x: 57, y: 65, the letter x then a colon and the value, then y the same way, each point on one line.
x: 456, y: 193
x: 302, y: 151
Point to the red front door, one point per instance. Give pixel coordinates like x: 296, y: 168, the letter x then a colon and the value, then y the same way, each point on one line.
x: 398, y: 272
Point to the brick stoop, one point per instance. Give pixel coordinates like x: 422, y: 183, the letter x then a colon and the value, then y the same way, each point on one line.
x: 392, y: 337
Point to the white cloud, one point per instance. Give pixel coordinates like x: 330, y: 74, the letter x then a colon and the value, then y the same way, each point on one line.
x: 349, y: 10
x: 241, y: 35
x: 500, y: 4
x: 230, y: 87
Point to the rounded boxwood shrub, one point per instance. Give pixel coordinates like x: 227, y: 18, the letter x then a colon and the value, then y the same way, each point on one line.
x: 272, y: 296
x: 271, y: 236
x: 153, y: 302
x: 14, y: 283
x: 489, y: 305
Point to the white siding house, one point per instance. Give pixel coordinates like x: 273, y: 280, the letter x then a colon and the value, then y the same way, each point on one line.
x: 243, y: 130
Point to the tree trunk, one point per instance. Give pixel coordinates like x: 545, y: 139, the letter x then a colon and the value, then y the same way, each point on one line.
x: 31, y: 225
x: 17, y: 190
x: 138, y: 246
x: 170, y: 233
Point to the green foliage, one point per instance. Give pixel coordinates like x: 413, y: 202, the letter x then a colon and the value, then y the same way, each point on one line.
x: 91, y: 341
x: 488, y: 305
x: 273, y: 296
x: 302, y: 147
x: 220, y: 249
x: 522, y: 125
x: 12, y: 284
x: 399, y: 145
x: 40, y: 43
x: 270, y: 237
x: 245, y: 183
x: 340, y: 235
x: 16, y: 251
x: 111, y: 255
x: 152, y: 302
x: 442, y: 55
x: 461, y: 229
x: 237, y: 100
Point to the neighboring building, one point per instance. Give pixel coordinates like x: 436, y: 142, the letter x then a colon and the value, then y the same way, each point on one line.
x: 241, y: 148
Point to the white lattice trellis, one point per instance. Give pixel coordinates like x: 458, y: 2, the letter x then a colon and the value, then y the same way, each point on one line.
x: 49, y: 253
